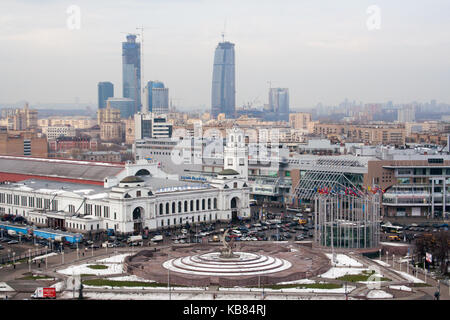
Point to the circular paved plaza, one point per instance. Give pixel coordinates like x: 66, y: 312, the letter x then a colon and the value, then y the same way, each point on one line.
x: 251, y: 264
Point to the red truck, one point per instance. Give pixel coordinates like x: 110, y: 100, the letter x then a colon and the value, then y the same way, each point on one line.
x: 44, y: 293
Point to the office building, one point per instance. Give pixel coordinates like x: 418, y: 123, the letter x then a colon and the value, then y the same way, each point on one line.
x: 23, y: 144
x: 301, y: 121
x: 54, y: 132
x: 406, y: 114
x: 131, y: 71
x: 223, y: 93
x: 105, y: 91
x: 157, y: 97
x: 279, y: 103
x: 150, y: 125
x: 125, y: 105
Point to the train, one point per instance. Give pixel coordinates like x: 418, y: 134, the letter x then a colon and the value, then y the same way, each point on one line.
x: 47, y: 234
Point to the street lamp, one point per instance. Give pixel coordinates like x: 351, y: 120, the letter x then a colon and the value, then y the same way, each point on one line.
x: 29, y: 260
x: 424, y: 270
x: 46, y: 249
x: 78, y: 252
x: 168, y: 281
x: 62, y: 256
x: 407, y: 266
x: 387, y: 257
x: 393, y: 261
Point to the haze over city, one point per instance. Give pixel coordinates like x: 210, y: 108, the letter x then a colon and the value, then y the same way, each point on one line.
x: 323, y: 52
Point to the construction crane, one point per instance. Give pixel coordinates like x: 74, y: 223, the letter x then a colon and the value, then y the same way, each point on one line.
x: 141, y: 28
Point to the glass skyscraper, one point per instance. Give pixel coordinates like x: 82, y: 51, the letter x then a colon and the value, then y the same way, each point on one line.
x: 223, y: 93
x: 131, y: 70
x: 279, y: 103
x: 105, y: 91
x: 157, y: 97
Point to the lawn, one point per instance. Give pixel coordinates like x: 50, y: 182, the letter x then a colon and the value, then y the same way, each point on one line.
x: 364, y: 276
x: 97, y: 266
x: 123, y: 283
x: 304, y: 286
x: 34, y: 277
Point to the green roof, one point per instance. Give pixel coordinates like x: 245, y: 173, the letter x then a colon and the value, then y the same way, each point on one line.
x: 131, y: 179
x: 228, y: 172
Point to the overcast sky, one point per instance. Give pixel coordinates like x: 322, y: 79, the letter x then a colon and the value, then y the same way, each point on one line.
x: 322, y: 51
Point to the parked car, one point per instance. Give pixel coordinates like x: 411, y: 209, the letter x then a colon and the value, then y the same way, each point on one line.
x: 1, y: 247
x: 13, y: 242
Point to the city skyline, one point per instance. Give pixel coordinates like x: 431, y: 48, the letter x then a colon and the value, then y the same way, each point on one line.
x: 322, y: 53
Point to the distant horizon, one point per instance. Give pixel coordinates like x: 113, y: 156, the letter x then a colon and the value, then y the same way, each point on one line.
x: 75, y: 105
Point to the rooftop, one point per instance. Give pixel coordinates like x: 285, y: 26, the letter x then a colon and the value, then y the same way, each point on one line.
x: 71, y: 169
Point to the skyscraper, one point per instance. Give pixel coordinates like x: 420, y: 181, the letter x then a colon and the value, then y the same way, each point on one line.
x: 279, y: 103
x: 223, y: 93
x: 125, y: 105
x: 105, y: 91
x: 131, y: 70
x: 157, y: 97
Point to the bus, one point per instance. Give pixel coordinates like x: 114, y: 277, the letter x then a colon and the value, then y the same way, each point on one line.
x: 391, y: 228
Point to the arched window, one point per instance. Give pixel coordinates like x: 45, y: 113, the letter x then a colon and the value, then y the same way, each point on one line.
x: 179, y: 206
x: 209, y: 204
x: 167, y: 208
x: 185, y: 206
x: 173, y: 207
x: 197, y: 204
x: 215, y: 203
x: 203, y: 204
x: 161, y: 208
x: 192, y: 205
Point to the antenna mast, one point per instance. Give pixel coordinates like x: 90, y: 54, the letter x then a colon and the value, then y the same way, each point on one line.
x: 224, y: 28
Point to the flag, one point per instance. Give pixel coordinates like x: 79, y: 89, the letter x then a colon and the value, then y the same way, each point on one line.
x: 428, y: 257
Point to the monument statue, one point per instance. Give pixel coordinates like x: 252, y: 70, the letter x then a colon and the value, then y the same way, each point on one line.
x: 227, y: 249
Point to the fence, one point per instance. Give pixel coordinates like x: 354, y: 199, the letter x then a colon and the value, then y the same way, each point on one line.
x: 9, y: 258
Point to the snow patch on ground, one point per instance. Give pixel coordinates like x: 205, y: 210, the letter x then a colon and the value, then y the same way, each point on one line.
x: 334, y: 273
x: 301, y: 281
x: 145, y: 288
x: 84, y: 269
x: 45, y: 256
x: 130, y: 278
x: 409, y: 277
x: 58, y: 286
x: 379, y: 294
x: 343, y: 260
x: 384, y: 264
x: 5, y: 288
x: 394, y: 244
x: 115, y: 259
x: 401, y: 288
